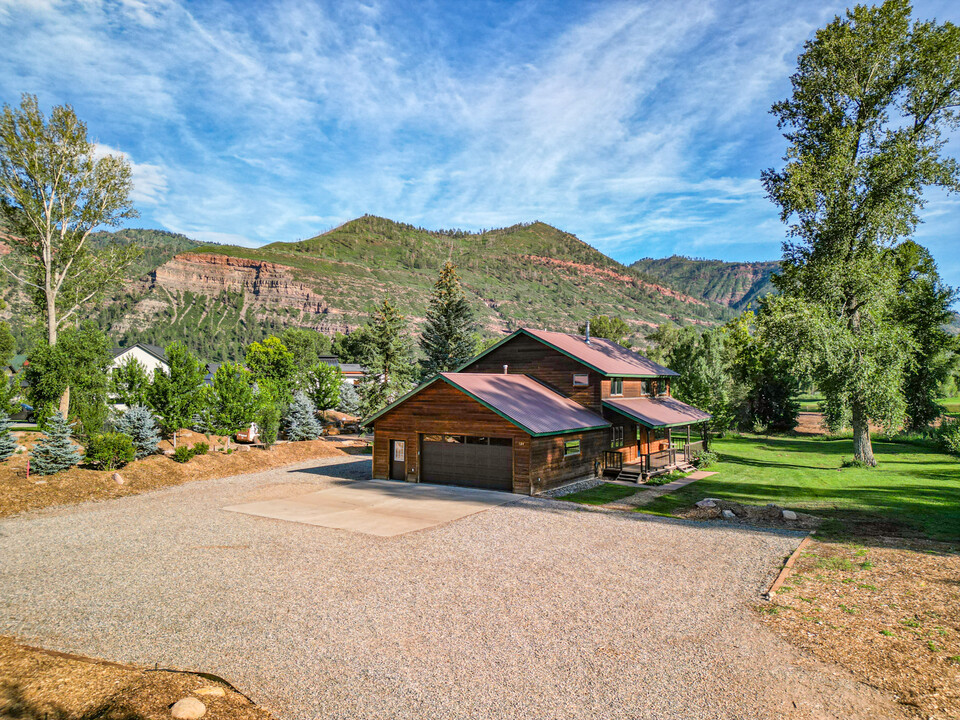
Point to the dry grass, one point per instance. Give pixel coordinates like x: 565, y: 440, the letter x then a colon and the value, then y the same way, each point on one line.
x: 19, y: 494
x: 36, y: 685
x: 887, y: 612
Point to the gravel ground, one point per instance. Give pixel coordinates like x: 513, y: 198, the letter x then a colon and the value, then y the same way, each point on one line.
x: 535, y: 609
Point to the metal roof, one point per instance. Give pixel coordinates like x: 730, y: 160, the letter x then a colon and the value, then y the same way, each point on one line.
x: 658, y: 412
x: 527, y: 403
x: 519, y: 399
x: 158, y: 352
x: 602, y: 355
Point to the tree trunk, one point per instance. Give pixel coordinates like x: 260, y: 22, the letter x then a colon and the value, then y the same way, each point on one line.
x: 862, y: 447
x: 65, y: 404
x: 52, y: 340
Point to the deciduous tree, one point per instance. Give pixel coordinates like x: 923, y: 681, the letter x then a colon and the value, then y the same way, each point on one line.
x: 611, y: 328
x: 175, y: 394
x: 871, y: 96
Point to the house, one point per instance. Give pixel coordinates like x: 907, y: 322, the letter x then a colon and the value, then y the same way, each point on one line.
x: 150, y: 356
x: 350, y: 372
x: 535, y: 411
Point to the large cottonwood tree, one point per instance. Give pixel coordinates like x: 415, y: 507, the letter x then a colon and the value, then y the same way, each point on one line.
x: 871, y: 96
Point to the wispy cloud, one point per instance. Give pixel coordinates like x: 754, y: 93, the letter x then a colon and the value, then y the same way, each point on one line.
x: 640, y: 126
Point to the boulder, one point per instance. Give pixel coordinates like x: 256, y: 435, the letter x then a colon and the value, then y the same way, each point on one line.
x: 728, y: 515
x: 789, y: 515
x: 118, y: 478
x: 188, y: 708
x: 168, y: 452
x: 706, y: 503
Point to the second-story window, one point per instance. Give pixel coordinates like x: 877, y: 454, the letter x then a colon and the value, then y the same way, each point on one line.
x: 662, y: 386
x: 616, y: 386
x: 581, y: 379
x: 644, y: 387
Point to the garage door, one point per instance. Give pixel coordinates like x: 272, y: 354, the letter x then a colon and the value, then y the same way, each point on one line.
x: 469, y: 461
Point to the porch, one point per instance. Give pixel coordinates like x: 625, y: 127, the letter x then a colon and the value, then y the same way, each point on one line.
x: 677, y: 456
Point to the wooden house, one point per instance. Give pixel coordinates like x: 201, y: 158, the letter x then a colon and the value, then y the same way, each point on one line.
x: 535, y: 411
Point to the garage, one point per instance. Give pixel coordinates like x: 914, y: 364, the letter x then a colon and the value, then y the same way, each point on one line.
x: 467, y: 460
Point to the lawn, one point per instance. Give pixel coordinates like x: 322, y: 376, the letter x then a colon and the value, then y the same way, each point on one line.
x: 913, y: 490
x: 810, y: 403
x: 952, y: 405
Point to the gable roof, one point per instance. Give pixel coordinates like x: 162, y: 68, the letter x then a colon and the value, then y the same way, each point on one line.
x: 658, y: 412
x: 604, y: 356
x: 155, y: 350
x: 519, y: 399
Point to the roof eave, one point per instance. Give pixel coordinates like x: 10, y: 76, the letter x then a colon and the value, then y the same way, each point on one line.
x: 647, y: 423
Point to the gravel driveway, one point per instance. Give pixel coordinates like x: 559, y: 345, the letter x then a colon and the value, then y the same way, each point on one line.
x: 535, y: 609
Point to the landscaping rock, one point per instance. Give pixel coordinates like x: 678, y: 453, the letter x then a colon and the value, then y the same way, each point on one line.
x: 211, y: 691
x: 729, y: 515
x: 789, y: 515
x: 706, y: 503
x: 168, y: 452
x: 188, y: 708
x: 118, y: 478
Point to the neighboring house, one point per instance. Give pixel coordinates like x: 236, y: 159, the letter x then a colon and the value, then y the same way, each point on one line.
x: 212, y: 368
x: 150, y: 356
x: 16, y: 365
x: 535, y: 411
x: 351, y: 372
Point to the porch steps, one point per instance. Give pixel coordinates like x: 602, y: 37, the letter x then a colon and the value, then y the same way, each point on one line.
x: 631, y: 473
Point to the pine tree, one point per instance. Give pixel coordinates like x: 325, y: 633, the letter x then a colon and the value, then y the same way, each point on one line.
x: 55, y: 452
x: 8, y: 444
x: 449, y: 337
x: 140, y: 426
x: 301, y: 419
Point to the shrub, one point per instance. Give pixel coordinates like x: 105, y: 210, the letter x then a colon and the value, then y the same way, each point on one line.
x: 301, y: 421
x: 55, y: 452
x: 704, y: 458
x: 947, y: 436
x: 182, y: 454
x: 8, y: 443
x: 268, y: 420
x: 109, y: 451
x: 140, y: 426
x: 853, y: 463
x: 200, y: 448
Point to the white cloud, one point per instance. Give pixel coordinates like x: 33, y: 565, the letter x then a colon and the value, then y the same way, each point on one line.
x: 149, y: 179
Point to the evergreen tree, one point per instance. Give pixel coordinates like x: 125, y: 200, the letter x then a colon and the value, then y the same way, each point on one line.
x: 349, y: 399
x: 8, y: 444
x: 388, y: 358
x: 175, y: 395
x: 300, y: 422
x: 140, y: 426
x: 55, y: 451
x: 449, y: 337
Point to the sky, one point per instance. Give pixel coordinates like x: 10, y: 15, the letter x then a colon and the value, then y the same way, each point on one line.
x: 640, y: 127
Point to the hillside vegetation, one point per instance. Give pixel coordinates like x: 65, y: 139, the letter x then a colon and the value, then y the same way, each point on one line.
x: 217, y: 298
x: 734, y: 284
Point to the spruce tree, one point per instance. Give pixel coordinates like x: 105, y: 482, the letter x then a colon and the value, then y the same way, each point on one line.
x: 140, y: 426
x: 56, y: 451
x: 301, y: 419
x: 449, y: 336
x: 8, y: 443
x: 387, y: 355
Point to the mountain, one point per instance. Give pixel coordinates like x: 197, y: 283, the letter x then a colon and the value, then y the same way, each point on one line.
x: 734, y: 284
x: 218, y: 298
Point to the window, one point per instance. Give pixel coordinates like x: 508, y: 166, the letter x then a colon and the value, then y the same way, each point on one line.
x: 581, y: 379
x: 644, y: 387
x: 616, y: 386
x: 433, y: 438
x: 617, y: 439
x: 571, y: 447
x: 662, y: 386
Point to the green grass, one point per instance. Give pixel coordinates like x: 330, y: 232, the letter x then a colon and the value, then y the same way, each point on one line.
x: 952, y: 406
x: 601, y: 494
x: 913, y: 490
x: 810, y: 402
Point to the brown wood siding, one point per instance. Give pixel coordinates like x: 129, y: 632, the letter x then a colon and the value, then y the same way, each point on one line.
x: 438, y: 409
x: 527, y: 356
x: 548, y: 466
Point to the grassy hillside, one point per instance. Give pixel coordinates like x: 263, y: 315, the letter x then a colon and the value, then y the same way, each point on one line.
x: 733, y: 284
x: 158, y: 246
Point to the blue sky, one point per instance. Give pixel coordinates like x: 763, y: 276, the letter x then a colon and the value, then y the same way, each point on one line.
x: 641, y: 127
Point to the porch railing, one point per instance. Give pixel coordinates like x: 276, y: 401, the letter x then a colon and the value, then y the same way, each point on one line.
x: 691, y: 449
x: 612, y: 460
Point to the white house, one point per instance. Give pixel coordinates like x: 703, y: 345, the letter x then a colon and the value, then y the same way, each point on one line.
x: 150, y: 356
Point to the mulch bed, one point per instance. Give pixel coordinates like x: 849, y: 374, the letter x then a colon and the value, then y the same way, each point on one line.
x: 889, y: 612
x: 35, y: 685
x: 19, y: 494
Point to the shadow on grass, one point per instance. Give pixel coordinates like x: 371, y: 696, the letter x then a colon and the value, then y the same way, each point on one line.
x: 16, y: 706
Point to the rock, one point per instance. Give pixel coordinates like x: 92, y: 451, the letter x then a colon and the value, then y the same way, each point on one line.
x: 168, y: 452
x: 728, y: 515
x: 789, y: 515
x: 21, y: 449
x: 706, y: 503
x: 118, y: 478
x: 211, y: 690
x: 188, y: 708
